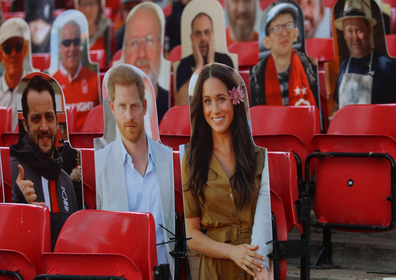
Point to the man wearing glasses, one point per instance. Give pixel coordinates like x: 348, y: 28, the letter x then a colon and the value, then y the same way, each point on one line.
x: 12, y: 55
x: 285, y: 76
x: 79, y: 84
x: 143, y: 46
x: 203, y: 52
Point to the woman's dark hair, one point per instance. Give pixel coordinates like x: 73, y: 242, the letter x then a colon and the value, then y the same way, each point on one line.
x: 200, y: 148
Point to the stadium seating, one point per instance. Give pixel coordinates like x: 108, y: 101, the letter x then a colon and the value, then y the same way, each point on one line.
x: 24, y: 237
x: 286, y: 128
x: 41, y: 61
x: 103, y: 243
x: 248, y: 53
x: 175, y: 127
x: 88, y: 177
x: 175, y: 54
x: 355, y: 176
x: 6, y: 120
x: 98, y: 56
x: 391, y: 44
x: 6, y: 166
x: 115, y: 57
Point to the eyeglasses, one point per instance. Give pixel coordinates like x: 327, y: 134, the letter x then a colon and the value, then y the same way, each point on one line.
x: 149, y: 42
x: 8, y: 49
x: 277, y: 29
x: 75, y: 41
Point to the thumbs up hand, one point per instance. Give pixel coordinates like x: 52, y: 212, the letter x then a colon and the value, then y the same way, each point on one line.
x: 27, y: 188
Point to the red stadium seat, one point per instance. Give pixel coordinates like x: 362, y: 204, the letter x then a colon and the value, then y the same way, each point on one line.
x: 248, y: 53
x: 286, y: 128
x: 115, y: 57
x: 104, y: 243
x: 265, y: 3
x: 41, y: 61
x: 167, y: 10
x: 175, y: 54
x: 94, y: 121
x: 321, y: 48
x: 8, y: 15
x: 6, y: 166
x: 24, y: 237
x: 175, y: 127
x: 354, y: 178
x: 88, y: 177
x: 98, y: 56
x: 391, y: 44
x: 329, y: 3
x: 6, y: 121
x: 71, y: 113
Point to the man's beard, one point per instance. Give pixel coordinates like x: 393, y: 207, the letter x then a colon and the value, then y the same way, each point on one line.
x: 35, y: 140
x: 243, y: 32
x: 131, y: 136
x: 153, y: 72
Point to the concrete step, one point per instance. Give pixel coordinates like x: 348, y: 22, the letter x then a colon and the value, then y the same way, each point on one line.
x: 375, y: 252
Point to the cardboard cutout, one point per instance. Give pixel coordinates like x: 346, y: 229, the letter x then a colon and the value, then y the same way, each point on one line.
x: 71, y: 65
x: 375, y: 85
x: 202, y: 28
x: 218, y: 211
x: 243, y: 18
x: 15, y: 62
x: 44, y: 167
x: 119, y: 187
x: 317, y: 18
x: 143, y: 41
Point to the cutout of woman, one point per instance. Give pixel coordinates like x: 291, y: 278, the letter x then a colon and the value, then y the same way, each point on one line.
x: 225, y: 181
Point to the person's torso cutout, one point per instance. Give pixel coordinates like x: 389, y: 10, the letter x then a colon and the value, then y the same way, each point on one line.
x: 120, y: 185
x: 43, y: 161
x: 213, y: 113
x: 203, y: 41
x: 71, y: 65
x: 285, y: 75
x: 15, y: 57
x: 242, y: 20
x: 362, y: 72
x: 142, y: 47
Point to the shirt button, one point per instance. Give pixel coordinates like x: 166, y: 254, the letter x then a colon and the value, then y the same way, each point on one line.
x: 230, y: 194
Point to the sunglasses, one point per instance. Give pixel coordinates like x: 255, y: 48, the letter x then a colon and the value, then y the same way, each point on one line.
x: 8, y: 49
x: 75, y: 41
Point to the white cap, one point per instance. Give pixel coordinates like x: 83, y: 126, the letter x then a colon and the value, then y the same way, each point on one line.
x: 14, y: 27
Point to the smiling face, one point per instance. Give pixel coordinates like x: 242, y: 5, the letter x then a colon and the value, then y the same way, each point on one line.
x: 41, y: 124
x: 280, y: 44
x: 217, y: 107
x: 70, y: 51
x: 313, y: 15
x: 13, y: 61
x: 357, y: 36
x: 242, y: 14
x: 129, y: 110
x: 142, y: 42
x: 202, y: 33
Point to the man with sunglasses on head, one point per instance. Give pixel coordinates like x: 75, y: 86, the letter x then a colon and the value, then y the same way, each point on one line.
x: 285, y: 76
x: 79, y: 84
x: 12, y: 55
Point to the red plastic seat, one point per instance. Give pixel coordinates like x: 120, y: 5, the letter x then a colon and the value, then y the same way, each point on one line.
x: 321, y: 48
x: 285, y: 128
x: 104, y: 243
x: 24, y: 237
x: 41, y: 61
x: 167, y: 10
x: 175, y: 127
x: 175, y: 54
x: 6, y: 167
x: 248, y: 53
x: 8, y: 15
x: 94, y: 121
x: 88, y: 177
x: 352, y: 189
x: 71, y: 113
x: 391, y: 44
x: 6, y: 121
x: 98, y: 56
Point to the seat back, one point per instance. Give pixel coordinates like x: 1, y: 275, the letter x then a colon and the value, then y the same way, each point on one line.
x: 175, y: 127
x: 6, y: 166
x: 6, y: 121
x: 24, y: 236
x: 321, y: 48
x: 94, y: 122
x: 175, y: 54
x: 373, y: 119
x: 88, y: 177
x: 115, y: 57
x: 391, y: 40
x: 131, y: 234
x: 71, y: 113
x: 248, y: 53
x: 283, y: 181
x: 41, y: 61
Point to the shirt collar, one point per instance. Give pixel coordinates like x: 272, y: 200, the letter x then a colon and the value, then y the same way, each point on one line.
x: 4, y: 86
x: 126, y: 157
x: 67, y: 74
